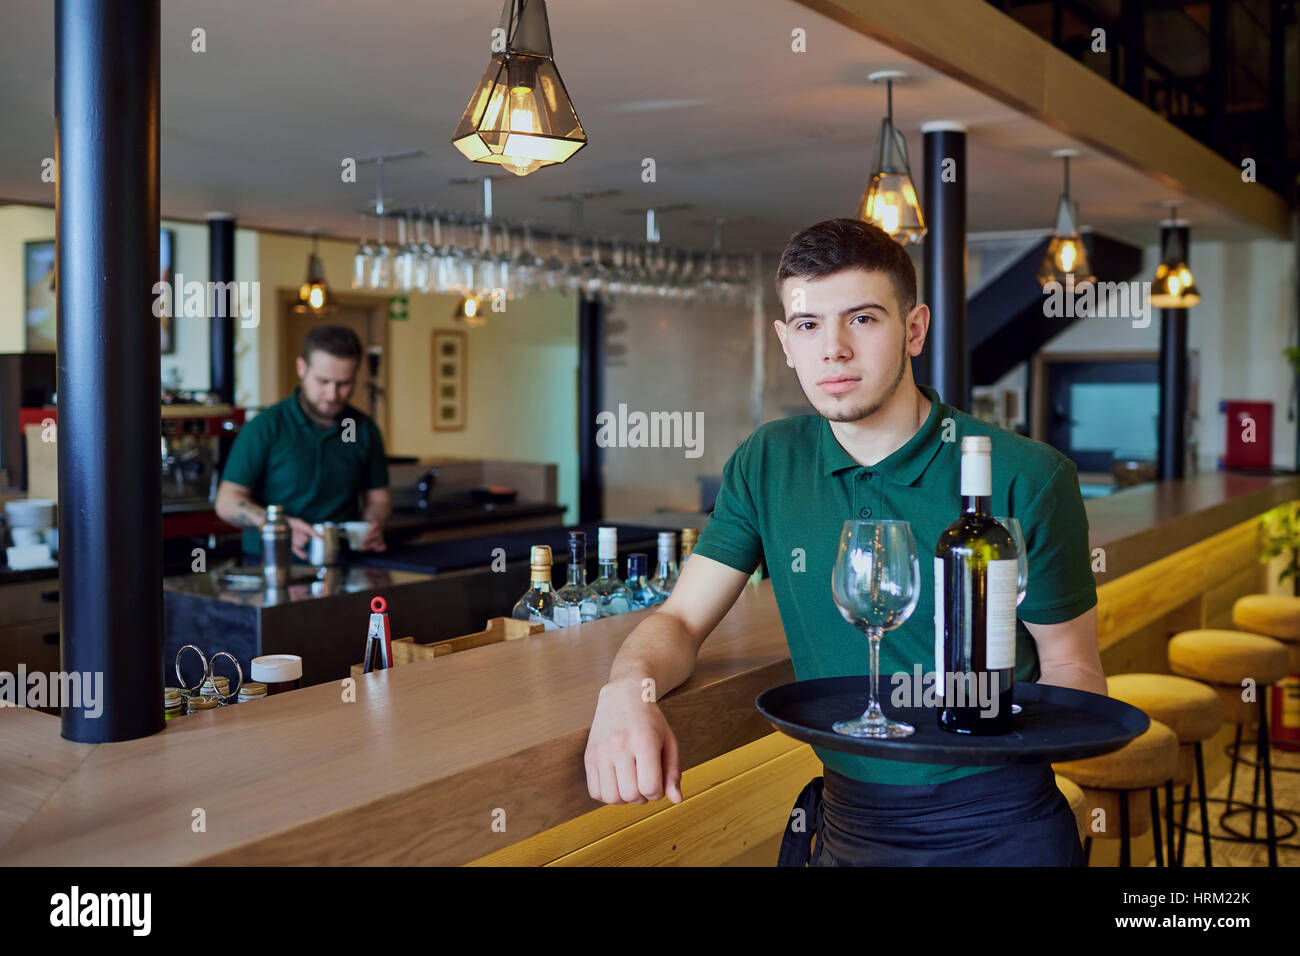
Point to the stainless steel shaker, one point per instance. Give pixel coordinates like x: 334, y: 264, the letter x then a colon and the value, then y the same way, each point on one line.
x: 275, y: 547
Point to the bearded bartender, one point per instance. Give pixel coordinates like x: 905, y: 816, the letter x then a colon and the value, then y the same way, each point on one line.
x: 875, y: 448
x: 312, y: 453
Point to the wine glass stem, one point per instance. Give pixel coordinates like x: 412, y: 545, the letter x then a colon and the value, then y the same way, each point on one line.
x: 874, y: 634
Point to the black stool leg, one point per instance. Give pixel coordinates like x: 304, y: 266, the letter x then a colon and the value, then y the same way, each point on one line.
x: 1182, y: 825
x: 1124, y: 857
x: 1262, y: 756
x: 1254, y: 795
x: 1232, y: 777
x: 1169, y: 818
x: 1205, y: 814
x: 1155, y: 828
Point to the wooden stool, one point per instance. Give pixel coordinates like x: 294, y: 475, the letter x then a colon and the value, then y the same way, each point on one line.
x: 1193, y: 712
x: 1224, y: 660
x: 1078, y: 805
x: 1113, y: 782
x: 1273, y: 615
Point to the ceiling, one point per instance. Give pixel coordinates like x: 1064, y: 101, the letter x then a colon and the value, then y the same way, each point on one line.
x: 740, y: 127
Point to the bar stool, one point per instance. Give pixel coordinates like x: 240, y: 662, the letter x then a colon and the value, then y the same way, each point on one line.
x: 1193, y: 712
x: 1078, y: 805
x: 1276, y: 616
x: 1224, y: 659
x: 1113, y: 783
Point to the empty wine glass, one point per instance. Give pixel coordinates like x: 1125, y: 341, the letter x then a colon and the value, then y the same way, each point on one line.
x: 381, y: 266
x: 876, y: 582
x: 555, y: 272
x: 528, y: 267
x: 573, y: 274
x: 466, y: 260
x: 485, y: 263
x: 404, y: 258
x: 361, y: 260
x: 505, y: 264
x: 593, y: 270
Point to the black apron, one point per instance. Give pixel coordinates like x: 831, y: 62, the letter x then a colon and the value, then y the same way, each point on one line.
x: 1012, y: 816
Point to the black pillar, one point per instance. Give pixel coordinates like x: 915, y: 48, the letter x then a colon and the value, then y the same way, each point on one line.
x: 945, y: 362
x: 1172, y: 439
x: 110, y: 510
x: 591, y: 388
x: 221, y: 329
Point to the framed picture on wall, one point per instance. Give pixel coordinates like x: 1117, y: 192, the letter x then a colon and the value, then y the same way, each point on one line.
x: 449, y: 385
x: 39, y: 305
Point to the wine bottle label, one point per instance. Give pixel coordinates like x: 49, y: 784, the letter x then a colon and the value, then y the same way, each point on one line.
x: 938, y: 621
x: 1000, y: 626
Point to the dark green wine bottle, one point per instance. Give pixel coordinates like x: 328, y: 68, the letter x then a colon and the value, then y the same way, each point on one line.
x: 975, y: 606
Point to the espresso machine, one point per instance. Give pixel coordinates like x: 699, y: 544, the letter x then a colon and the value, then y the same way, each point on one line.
x: 194, y: 444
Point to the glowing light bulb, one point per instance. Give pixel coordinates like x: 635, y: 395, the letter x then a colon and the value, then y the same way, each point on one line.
x: 317, y: 297
x: 1066, y: 257
x: 1175, y: 287
x: 471, y: 307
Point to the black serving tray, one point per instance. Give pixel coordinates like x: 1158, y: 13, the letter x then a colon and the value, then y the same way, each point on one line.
x: 1054, y: 724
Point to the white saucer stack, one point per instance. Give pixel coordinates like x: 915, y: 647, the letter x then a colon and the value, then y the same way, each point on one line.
x: 33, y: 532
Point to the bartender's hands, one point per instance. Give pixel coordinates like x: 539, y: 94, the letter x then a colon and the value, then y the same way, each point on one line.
x: 374, y: 540
x: 631, y: 752
x: 302, y: 533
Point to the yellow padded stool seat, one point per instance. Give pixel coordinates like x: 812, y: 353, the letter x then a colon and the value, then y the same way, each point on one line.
x: 1227, y: 657
x: 1074, y: 797
x: 1274, y: 615
x: 1187, y: 707
x: 1144, y: 762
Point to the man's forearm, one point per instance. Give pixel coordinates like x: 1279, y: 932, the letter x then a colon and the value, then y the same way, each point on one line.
x: 1074, y: 675
x: 242, y: 513
x: 377, y: 511
x: 658, y: 648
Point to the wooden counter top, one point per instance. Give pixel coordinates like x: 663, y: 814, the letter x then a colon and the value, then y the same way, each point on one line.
x: 417, y: 770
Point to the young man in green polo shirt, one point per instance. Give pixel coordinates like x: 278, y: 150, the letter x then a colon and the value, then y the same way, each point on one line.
x: 313, y: 453
x: 879, y: 447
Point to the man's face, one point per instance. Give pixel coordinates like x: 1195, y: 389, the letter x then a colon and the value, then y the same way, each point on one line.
x: 846, y: 341
x: 326, y: 382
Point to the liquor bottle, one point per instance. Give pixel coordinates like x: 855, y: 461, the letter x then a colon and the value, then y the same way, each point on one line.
x: 642, y: 594
x: 975, y: 606
x: 666, y: 573
x: 611, y: 595
x: 689, y: 537
x: 576, y: 602
x: 538, y: 603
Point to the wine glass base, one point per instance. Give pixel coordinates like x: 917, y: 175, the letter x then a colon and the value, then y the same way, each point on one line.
x: 873, y: 728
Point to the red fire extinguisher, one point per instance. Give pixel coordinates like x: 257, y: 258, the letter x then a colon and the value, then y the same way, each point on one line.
x: 1285, y: 719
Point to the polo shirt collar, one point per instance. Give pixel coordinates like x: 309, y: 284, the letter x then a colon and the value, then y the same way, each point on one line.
x: 905, y: 465
x: 300, y: 417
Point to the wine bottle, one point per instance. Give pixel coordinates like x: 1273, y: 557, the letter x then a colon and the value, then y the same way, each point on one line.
x: 975, y: 606
x: 576, y: 602
x: 611, y: 595
x: 666, y: 574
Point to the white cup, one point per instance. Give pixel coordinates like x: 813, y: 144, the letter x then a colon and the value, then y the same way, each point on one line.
x: 356, y: 532
x: 24, y: 537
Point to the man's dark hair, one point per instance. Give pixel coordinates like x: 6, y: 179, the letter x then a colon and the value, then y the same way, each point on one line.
x: 833, y: 245
x: 338, y: 340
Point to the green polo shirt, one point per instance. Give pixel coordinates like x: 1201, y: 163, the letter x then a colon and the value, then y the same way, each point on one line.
x: 788, y: 489
x: 285, y: 458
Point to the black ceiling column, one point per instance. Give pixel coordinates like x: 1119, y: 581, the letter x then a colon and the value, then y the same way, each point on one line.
x: 1172, y: 439
x: 945, y: 361
x: 221, y: 329
x: 106, y: 105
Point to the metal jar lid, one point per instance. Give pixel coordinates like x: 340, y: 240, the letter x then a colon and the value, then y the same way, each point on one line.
x: 252, y: 688
x: 276, y: 668
x: 202, y: 703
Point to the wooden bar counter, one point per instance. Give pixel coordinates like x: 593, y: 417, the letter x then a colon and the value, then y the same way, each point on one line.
x: 477, y: 756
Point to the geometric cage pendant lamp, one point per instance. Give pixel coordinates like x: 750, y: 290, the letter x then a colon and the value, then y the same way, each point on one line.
x: 889, y: 201
x: 520, y: 116
x: 1066, y: 259
x: 1174, y: 287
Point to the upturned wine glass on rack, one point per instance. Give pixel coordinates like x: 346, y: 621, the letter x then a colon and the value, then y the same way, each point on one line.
x: 593, y: 270
x: 381, y: 266
x: 361, y: 260
x: 404, y: 258
x: 876, y: 582
x: 505, y: 264
x: 555, y: 271
x: 466, y: 258
x: 527, y: 266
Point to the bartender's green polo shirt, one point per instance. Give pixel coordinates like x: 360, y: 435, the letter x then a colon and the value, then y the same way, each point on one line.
x: 285, y: 458
x: 789, y: 488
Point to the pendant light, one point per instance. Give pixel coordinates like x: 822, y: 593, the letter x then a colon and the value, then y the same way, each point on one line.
x: 1173, y: 287
x: 890, y: 200
x: 520, y: 116
x: 469, y: 312
x: 1066, y: 259
x: 313, y: 294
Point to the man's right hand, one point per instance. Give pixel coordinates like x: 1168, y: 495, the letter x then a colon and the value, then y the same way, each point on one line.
x: 631, y: 752
x: 302, y: 533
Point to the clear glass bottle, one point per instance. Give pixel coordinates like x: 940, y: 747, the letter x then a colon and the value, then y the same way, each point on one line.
x: 538, y: 603
x: 611, y: 594
x: 642, y: 594
x: 576, y: 602
x: 666, y: 573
